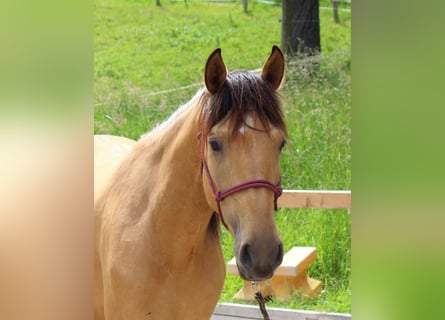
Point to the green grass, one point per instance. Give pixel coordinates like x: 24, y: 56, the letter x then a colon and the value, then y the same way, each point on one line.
x: 141, y: 49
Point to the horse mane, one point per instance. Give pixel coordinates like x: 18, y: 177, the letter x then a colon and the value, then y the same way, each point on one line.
x: 213, y: 227
x: 241, y: 93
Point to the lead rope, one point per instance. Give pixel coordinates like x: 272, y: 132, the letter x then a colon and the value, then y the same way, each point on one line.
x: 259, y: 297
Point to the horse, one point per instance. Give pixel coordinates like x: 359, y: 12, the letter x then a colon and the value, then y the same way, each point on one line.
x: 159, y: 202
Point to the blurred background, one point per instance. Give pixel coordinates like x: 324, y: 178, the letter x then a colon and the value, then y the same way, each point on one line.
x: 54, y: 95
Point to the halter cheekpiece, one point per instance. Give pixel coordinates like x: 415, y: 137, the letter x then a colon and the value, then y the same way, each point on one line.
x: 221, y: 195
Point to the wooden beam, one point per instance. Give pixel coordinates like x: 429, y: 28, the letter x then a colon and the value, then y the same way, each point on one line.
x: 290, y: 277
x: 226, y: 311
x: 320, y: 199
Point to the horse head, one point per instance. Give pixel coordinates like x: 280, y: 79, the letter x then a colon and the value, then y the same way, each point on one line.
x: 242, y: 134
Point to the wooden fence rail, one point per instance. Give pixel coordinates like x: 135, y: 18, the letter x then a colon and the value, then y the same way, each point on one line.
x: 231, y: 311
x: 320, y: 199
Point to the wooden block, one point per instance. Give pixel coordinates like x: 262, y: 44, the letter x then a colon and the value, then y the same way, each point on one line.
x: 296, y: 260
x: 231, y: 266
x: 289, y: 278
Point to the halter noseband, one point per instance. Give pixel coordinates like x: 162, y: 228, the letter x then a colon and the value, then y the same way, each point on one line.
x: 221, y: 195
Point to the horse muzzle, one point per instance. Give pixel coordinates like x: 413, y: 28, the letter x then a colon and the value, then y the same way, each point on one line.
x: 257, y: 261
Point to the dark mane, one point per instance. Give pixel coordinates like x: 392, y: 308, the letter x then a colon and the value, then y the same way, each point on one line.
x: 242, y: 92
x: 213, y: 227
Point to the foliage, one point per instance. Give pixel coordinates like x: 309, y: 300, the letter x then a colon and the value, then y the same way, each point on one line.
x: 142, y: 51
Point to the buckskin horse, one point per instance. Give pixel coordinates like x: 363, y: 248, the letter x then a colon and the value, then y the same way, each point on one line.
x: 159, y: 201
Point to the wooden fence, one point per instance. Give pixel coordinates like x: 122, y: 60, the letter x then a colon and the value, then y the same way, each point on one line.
x: 231, y: 311
x: 322, y: 199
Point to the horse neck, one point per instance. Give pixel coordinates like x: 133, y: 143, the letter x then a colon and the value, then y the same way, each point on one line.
x: 177, y: 204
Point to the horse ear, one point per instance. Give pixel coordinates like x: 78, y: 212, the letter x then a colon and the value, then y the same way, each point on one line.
x: 215, y: 72
x: 273, y: 69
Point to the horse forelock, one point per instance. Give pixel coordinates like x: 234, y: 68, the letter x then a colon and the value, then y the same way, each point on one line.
x: 243, y: 92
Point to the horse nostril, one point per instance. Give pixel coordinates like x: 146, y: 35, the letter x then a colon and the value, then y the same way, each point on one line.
x: 279, y: 258
x: 245, y: 258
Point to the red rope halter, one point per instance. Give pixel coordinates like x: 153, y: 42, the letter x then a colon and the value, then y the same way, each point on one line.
x: 221, y: 195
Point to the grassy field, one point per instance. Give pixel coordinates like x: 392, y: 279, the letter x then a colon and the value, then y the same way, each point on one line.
x: 142, y: 52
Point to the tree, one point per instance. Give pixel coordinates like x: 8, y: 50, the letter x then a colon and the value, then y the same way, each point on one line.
x: 300, y: 27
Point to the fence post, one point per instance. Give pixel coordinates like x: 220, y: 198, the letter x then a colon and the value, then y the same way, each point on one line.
x: 335, y: 6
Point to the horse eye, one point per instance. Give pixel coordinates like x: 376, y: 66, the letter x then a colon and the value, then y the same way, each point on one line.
x: 282, y: 145
x: 215, y: 145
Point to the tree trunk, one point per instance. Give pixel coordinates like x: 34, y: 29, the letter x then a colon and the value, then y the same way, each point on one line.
x: 300, y: 27
x: 158, y: 3
x: 245, y: 6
